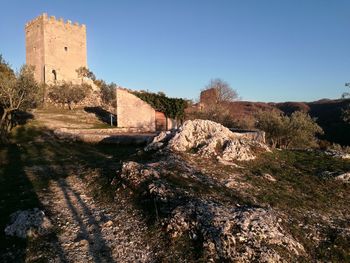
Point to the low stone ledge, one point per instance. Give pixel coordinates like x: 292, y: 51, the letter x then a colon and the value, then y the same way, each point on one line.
x: 107, y: 136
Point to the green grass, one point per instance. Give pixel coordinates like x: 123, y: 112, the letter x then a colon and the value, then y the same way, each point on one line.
x: 306, y: 198
x: 299, y: 181
x: 311, y: 204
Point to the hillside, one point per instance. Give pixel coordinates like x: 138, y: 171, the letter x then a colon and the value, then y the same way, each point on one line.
x: 188, y: 198
x: 328, y: 114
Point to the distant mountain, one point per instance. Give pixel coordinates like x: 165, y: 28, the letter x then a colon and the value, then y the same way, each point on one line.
x: 328, y: 114
x: 329, y: 117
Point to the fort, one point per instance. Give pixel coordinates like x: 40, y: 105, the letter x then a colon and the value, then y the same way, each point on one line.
x: 56, y: 48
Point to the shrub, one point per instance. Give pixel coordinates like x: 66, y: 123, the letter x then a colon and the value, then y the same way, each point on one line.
x: 297, y: 131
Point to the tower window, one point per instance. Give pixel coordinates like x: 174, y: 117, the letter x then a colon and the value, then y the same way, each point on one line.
x: 54, y: 75
x: 65, y: 48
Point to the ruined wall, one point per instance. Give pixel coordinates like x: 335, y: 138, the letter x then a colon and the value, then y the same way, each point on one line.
x: 56, y: 48
x: 172, y: 124
x: 133, y: 112
x: 208, y: 96
x: 163, y: 123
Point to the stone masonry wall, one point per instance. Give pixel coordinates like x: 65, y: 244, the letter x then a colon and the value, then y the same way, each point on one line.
x: 133, y: 112
x: 34, y: 31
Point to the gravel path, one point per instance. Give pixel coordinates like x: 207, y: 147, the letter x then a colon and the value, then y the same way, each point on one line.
x: 92, y: 232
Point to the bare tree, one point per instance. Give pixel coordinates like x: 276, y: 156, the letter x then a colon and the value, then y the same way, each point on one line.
x: 17, y: 92
x: 221, y: 91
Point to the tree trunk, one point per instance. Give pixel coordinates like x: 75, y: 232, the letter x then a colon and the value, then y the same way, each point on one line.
x: 4, y: 128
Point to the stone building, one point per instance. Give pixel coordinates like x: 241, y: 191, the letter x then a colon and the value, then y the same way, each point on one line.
x: 56, y: 48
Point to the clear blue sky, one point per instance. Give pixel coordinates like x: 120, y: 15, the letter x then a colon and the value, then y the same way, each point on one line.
x: 276, y: 50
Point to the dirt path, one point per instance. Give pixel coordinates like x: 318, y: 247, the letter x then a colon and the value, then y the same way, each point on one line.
x: 92, y: 232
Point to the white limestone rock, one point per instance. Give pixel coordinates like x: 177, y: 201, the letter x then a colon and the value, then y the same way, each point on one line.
x: 343, y: 177
x: 211, y: 139
x: 234, y: 234
x: 338, y: 154
x: 28, y: 223
x: 159, y: 141
x: 135, y: 174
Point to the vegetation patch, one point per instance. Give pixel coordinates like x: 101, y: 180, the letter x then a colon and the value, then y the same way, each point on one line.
x: 171, y: 107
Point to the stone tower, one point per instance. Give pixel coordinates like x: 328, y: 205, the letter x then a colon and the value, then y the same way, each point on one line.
x: 56, y: 48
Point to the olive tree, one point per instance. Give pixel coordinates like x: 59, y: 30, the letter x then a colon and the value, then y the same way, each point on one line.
x: 297, y: 131
x: 108, y: 92
x: 68, y: 93
x: 18, y: 92
x: 84, y: 72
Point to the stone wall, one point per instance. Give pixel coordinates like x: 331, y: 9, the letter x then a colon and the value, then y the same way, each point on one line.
x: 172, y: 124
x: 56, y: 48
x: 163, y: 123
x: 208, y: 97
x: 133, y: 112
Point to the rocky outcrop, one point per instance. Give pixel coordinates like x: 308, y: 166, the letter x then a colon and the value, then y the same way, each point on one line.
x: 210, y: 139
x: 160, y: 141
x: 234, y: 234
x: 226, y: 233
x: 28, y: 223
x: 338, y: 154
x: 134, y: 174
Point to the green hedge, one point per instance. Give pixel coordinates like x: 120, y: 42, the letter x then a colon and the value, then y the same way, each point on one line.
x: 171, y: 107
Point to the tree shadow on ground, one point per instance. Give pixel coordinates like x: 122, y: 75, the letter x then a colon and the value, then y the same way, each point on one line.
x: 29, y: 165
x: 16, y: 193
x: 97, y: 246
x: 102, y: 115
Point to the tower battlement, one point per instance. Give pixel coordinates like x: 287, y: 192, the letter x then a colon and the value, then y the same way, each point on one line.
x: 56, y: 48
x: 52, y: 19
